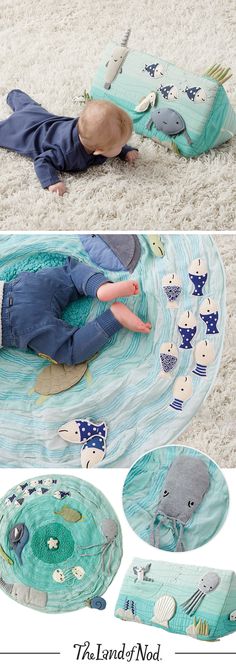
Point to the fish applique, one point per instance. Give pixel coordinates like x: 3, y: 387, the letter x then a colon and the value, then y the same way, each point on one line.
x: 79, y: 431
x: 183, y: 390
x: 69, y: 514
x: 60, y: 494
x: 171, y: 285
x: 204, y: 355
x: 10, y: 500
x: 156, y: 245
x: 198, y: 276
x: 154, y: 70
x: 18, y: 537
x: 93, y: 452
x: 187, y: 327
x: 168, y: 357
x: 195, y: 93
x: 169, y: 92
x: 209, y: 314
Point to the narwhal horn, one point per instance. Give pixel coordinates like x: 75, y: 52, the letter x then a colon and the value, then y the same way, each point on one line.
x: 219, y: 74
x: 125, y: 39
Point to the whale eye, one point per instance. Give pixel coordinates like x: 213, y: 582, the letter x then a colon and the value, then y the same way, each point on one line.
x: 94, y: 452
x: 165, y: 493
x: 177, y: 122
x: 76, y: 432
x: 190, y: 503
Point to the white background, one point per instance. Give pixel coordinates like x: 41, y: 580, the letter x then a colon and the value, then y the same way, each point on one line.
x: 26, y: 630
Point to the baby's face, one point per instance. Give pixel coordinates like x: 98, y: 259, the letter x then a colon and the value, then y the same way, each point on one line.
x: 111, y: 153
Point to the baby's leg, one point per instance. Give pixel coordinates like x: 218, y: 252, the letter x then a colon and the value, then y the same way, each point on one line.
x: 110, y: 291
x: 68, y: 345
x: 17, y: 99
x: 128, y: 319
x: 89, y: 281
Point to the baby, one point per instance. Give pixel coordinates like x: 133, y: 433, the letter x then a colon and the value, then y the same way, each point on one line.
x: 31, y: 307
x: 60, y: 143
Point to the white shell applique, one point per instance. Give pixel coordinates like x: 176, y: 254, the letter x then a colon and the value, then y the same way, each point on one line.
x: 232, y: 616
x: 164, y: 610
x: 145, y: 102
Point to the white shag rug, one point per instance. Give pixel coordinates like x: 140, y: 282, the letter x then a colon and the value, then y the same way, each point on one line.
x: 51, y: 50
x: 213, y: 429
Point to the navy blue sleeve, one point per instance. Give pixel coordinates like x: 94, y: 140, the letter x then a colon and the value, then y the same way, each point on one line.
x: 126, y: 148
x: 86, y: 279
x: 47, y: 165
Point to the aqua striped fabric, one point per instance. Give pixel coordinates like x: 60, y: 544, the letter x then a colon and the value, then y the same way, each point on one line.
x: 123, y: 387
x: 209, y: 123
x: 158, y: 601
x: 54, y: 569
x: 142, y: 490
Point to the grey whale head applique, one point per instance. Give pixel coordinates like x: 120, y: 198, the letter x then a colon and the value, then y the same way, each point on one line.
x: 185, y: 485
x: 168, y: 121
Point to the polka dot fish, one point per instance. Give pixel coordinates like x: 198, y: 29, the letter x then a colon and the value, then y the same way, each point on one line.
x: 187, y: 327
x: 195, y: 93
x: 209, y: 314
x: 154, y: 70
x: 79, y: 431
x: 198, y: 276
x: 169, y: 92
x: 93, y: 452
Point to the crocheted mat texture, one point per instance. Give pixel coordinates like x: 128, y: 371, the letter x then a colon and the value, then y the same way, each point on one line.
x: 172, y: 192
x: 60, y: 544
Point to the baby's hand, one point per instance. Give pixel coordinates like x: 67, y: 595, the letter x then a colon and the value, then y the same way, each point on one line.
x: 131, y: 156
x: 58, y: 188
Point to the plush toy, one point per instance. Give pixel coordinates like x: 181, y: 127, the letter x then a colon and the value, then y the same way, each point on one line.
x: 191, y: 113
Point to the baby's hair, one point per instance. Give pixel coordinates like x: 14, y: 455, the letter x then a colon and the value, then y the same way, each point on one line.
x: 102, y: 125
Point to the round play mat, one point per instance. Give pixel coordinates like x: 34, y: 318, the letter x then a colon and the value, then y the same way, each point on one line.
x: 175, y: 498
x: 140, y: 390
x: 60, y: 544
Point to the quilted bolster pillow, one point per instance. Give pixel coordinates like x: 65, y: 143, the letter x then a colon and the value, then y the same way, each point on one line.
x: 166, y: 103
x: 189, y: 600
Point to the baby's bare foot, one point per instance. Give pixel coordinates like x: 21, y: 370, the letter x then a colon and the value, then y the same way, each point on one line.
x: 109, y: 291
x: 129, y: 320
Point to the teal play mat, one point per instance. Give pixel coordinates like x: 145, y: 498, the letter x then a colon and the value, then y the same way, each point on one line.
x: 142, y: 494
x: 134, y: 385
x: 60, y: 544
x: 196, y: 601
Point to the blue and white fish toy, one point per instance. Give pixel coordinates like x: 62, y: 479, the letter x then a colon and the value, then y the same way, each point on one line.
x: 29, y: 490
x: 196, y: 93
x: 154, y: 70
x: 169, y: 92
x: 187, y: 327
x: 171, y: 284
x: 183, y: 389
x: 22, y: 487
x: 93, y: 452
x: 10, y: 500
x: 209, y: 314
x: 41, y: 490
x: 79, y: 431
x: 168, y: 357
x: 198, y: 275
x: 18, y: 537
x: 204, y: 355
x: 60, y: 494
